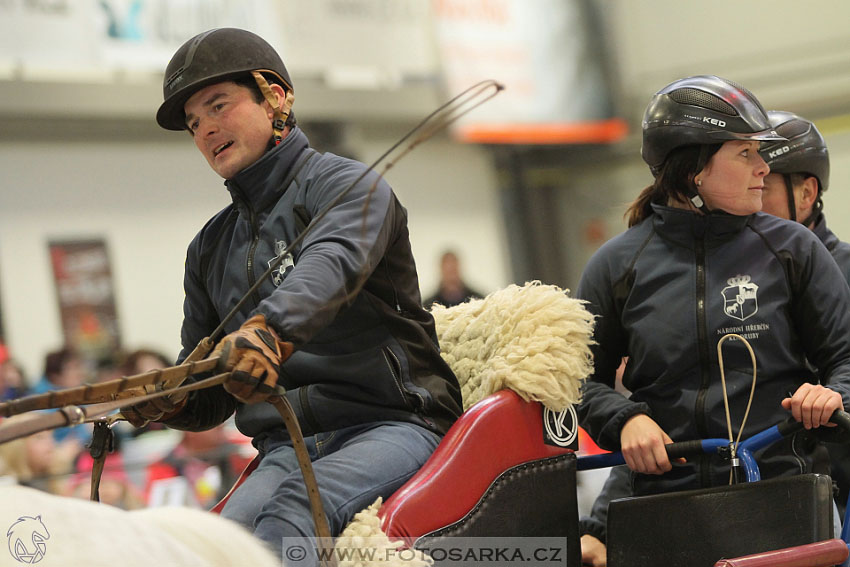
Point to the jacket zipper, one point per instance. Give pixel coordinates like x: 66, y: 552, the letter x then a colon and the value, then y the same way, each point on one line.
x: 392, y: 287
x: 252, y: 249
x: 389, y: 354
x: 702, y: 342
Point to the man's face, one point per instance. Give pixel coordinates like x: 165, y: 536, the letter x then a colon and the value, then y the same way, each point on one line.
x: 229, y: 127
x: 775, y: 196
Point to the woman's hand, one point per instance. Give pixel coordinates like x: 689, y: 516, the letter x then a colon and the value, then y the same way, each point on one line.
x: 642, y: 443
x: 813, y: 405
x: 593, y: 552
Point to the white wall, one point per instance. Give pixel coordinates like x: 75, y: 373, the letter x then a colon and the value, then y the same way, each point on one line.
x: 789, y: 53
x: 148, y: 198
x: 837, y: 198
x: 451, y: 194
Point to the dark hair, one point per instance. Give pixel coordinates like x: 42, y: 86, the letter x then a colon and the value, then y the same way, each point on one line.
x: 248, y: 81
x: 674, y: 182
x: 55, y: 361
x: 128, y: 366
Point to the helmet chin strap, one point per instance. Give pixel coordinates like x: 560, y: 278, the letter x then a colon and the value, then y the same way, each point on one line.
x: 695, y: 198
x: 816, y: 210
x: 280, y: 114
x: 792, y: 203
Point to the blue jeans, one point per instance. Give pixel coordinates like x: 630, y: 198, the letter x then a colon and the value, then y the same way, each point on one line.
x: 353, y: 467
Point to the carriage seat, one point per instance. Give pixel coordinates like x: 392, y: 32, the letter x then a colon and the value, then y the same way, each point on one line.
x: 500, y: 472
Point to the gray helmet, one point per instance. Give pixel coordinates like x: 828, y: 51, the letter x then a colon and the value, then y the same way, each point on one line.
x: 804, y: 151
x: 703, y: 109
x: 211, y: 57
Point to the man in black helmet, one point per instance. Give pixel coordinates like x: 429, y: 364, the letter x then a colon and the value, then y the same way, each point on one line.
x: 339, y: 324
x: 793, y: 190
x: 799, y: 175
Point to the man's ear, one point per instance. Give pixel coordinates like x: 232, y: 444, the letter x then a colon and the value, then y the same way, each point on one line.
x: 279, y: 92
x: 809, y: 193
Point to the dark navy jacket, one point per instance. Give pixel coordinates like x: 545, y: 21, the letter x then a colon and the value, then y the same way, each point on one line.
x: 840, y: 250
x: 348, y: 299
x: 665, y: 292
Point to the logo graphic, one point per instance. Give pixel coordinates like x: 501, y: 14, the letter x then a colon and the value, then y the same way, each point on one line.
x: 27, y: 539
x: 739, y: 297
x: 714, y: 121
x: 779, y: 152
x: 561, y: 427
x: 287, y: 264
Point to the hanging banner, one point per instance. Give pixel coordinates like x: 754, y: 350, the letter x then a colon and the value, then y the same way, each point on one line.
x: 547, y: 54
x: 77, y: 39
x: 83, y: 277
x: 394, y: 40
x: 143, y: 34
x: 53, y: 34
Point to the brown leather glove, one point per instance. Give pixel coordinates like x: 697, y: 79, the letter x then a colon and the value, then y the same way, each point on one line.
x: 254, y: 354
x: 158, y: 409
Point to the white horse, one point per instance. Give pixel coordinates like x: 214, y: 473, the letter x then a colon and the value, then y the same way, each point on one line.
x: 55, y: 531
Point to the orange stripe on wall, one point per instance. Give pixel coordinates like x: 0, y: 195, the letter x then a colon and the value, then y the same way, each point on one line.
x: 598, y: 132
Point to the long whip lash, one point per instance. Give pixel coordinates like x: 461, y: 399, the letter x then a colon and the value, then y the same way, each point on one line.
x: 439, y: 119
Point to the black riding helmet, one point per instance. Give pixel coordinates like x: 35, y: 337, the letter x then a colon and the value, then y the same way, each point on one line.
x: 701, y: 110
x: 804, y: 152
x: 210, y: 57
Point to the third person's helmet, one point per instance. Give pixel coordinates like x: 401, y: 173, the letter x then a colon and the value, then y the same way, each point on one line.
x: 803, y: 152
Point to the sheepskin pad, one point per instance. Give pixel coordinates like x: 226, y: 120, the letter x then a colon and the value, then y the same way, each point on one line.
x: 363, y: 543
x: 533, y: 339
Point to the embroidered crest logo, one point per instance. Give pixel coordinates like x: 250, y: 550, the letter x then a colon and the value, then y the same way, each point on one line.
x: 739, y: 297
x: 27, y: 539
x: 288, y: 263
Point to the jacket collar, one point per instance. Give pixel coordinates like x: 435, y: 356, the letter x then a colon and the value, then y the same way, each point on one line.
x: 260, y: 183
x: 824, y: 234
x: 684, y: 227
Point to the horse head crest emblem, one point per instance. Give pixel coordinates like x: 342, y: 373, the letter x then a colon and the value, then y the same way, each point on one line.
x: 27, y: 539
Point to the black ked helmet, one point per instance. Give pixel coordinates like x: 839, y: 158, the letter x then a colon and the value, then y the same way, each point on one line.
x: 703, y: 109
x: 803, y: 152
x: 211, y: 57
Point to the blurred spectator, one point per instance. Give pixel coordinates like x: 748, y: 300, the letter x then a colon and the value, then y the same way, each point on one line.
x: 143, y: 360
x: 13, y: 384
x: 38, y: 461
x: 140, y: 361
x: 198, y: 472
x: 63, y: 369
x: 108, y: 367
x: 452, y: 290
x: 115, y: 487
